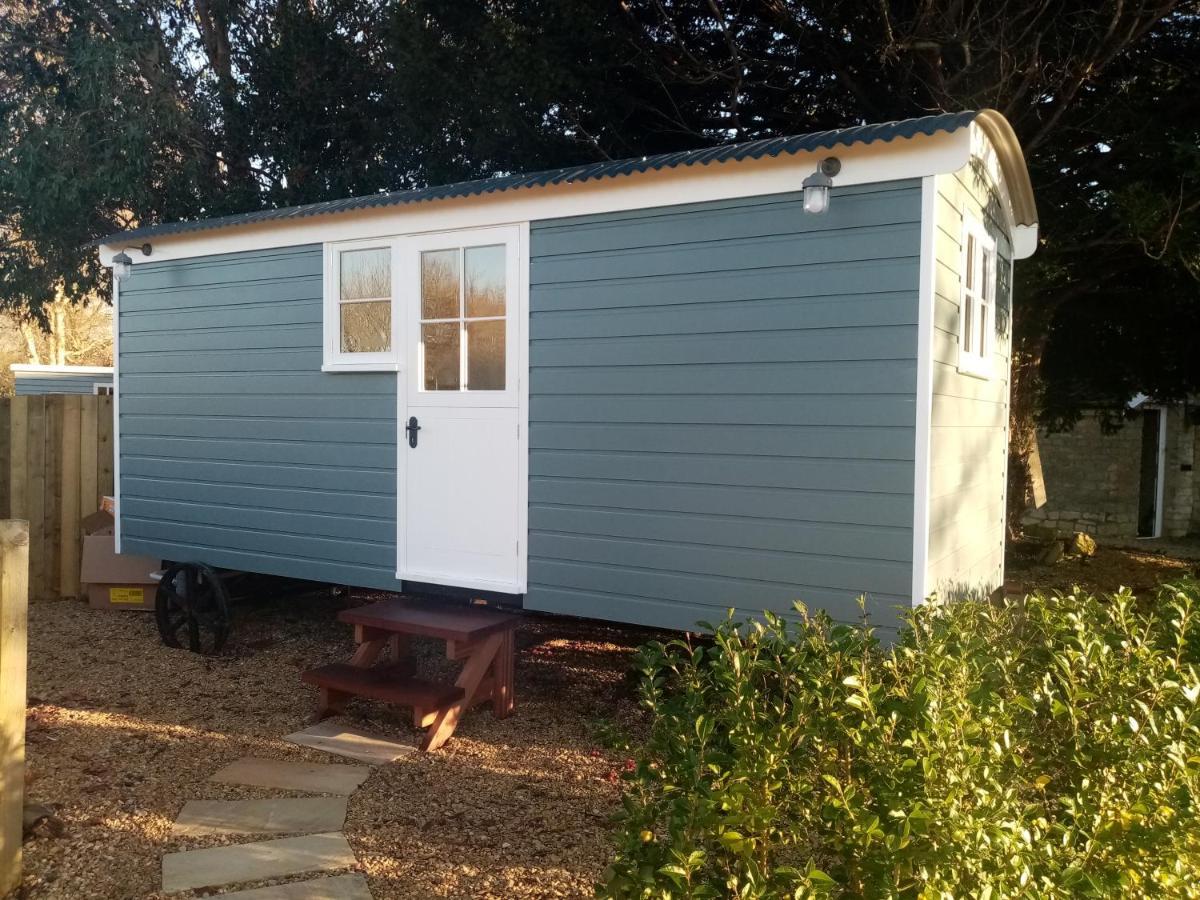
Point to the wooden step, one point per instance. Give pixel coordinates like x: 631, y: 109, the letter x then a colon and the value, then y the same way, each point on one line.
x: 386, y: 684
x: 446, y: 622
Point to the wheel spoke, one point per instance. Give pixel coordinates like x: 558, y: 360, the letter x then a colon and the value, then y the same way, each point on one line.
x: 192, y: 597
x: 172, y: 596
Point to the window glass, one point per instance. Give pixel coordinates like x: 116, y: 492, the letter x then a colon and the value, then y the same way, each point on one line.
x: 365, y: 300
x: 485, y: 281
x: 485, y: 355
x: 464, y: 342
x: 968, y: 310
x: 971, y: 262
x: 439, y: 284
x: 441, y: 342
x: 367, y: 327
x: 366, y: 274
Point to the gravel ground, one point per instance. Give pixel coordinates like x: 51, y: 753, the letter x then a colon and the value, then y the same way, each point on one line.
x: 1140, y: 570
x: 123, y: 731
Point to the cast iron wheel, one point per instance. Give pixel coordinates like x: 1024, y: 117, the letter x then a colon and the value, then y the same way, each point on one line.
x: 192, y: 605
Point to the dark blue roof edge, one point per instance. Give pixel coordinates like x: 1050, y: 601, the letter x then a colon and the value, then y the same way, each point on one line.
x: 758, y: 149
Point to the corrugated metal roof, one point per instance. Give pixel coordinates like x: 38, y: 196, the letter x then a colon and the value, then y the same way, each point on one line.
x: 768, y: 147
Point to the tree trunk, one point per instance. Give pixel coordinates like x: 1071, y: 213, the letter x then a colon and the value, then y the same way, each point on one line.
x: 213, y: 21
x: 1022, y: 431
x: 31, y: 347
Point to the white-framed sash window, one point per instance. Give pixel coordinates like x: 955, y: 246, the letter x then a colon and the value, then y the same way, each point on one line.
x: 361, y: 328
x: 977, y: 300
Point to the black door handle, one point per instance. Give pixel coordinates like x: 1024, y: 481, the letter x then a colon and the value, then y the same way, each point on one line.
x: 412, y: 428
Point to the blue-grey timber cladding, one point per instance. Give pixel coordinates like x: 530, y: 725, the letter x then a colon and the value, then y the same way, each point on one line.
x: 235, y: 449
x: 721, y: 413
x: 722, y: 408
x: 57, y: 383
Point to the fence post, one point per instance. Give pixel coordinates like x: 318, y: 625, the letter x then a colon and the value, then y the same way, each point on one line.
x: 14, y: 603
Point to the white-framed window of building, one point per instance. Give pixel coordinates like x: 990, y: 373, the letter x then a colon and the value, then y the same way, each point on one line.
x: 977, y: 300
x: 102, y: 389
x: 360, y: 322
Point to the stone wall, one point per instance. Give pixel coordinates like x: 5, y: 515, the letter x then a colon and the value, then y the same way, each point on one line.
x: 1179, y: 500
x: 1092, y: 479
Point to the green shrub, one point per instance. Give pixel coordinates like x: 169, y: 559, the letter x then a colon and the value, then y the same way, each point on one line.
x: 1039, y: 748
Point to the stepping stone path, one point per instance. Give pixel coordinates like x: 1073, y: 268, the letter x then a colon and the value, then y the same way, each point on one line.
x: 315, y: 844
x: 255, y: 862
x: 314, y: 778
x: 338, y: 887
x: 350, y: 742
x: 291, y: 815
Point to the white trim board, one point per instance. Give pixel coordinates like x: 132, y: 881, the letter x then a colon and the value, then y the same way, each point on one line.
x: 38, y: 369
x: 116, y: 410
x: 926, y: 300
x: 882, y: 161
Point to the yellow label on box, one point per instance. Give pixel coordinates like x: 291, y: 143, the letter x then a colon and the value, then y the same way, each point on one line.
x: 125, y: 595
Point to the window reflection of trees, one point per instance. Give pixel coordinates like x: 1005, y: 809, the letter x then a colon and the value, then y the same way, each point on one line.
x: 478, y: 318
x: 366, y: 274
x: 365, y: 278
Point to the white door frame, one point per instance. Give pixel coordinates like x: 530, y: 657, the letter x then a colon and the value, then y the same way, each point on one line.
x: 517, y: 232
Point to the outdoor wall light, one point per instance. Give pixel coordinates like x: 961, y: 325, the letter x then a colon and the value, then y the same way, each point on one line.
x: 817, y: 185
x: 122, y: 264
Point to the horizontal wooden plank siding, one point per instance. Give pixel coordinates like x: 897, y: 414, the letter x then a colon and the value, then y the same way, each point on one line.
x: 235, y: 449
x: 722, y: 408
x: 28, y: 384
x: 969, y: 433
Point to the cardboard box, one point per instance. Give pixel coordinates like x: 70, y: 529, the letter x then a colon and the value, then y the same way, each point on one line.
x: 99, y: 522
x: 116, y: 581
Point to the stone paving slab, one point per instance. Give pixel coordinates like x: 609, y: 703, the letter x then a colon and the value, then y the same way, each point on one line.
x: 255, y: 862
x: 315, y: 778
x: 277, y: 815
x: 337, y: 887
x: 352, y: 743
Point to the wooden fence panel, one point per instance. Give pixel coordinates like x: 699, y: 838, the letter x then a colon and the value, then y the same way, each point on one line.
x: 18, y: 457
x: 89, y: 469
x: 68, y: 509
x: 59, y: 464
x: 5, y: 512
x: 14, y: 565
x: 104, y: 449
x: 35, y: 489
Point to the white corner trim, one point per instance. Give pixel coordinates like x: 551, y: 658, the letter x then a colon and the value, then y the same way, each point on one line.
x: 523, y: 346
x: 116, y: 411
x: 37, y: 369
x: 924, y: 409
x: 882, y: 161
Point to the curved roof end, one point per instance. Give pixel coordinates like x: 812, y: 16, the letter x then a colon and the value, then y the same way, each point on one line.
x: 1012, y: 165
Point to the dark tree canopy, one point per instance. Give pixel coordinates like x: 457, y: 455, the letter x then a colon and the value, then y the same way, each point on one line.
x: 116, y: 112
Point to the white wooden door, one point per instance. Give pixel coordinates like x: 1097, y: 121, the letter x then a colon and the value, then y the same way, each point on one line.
x: 461, y: 477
